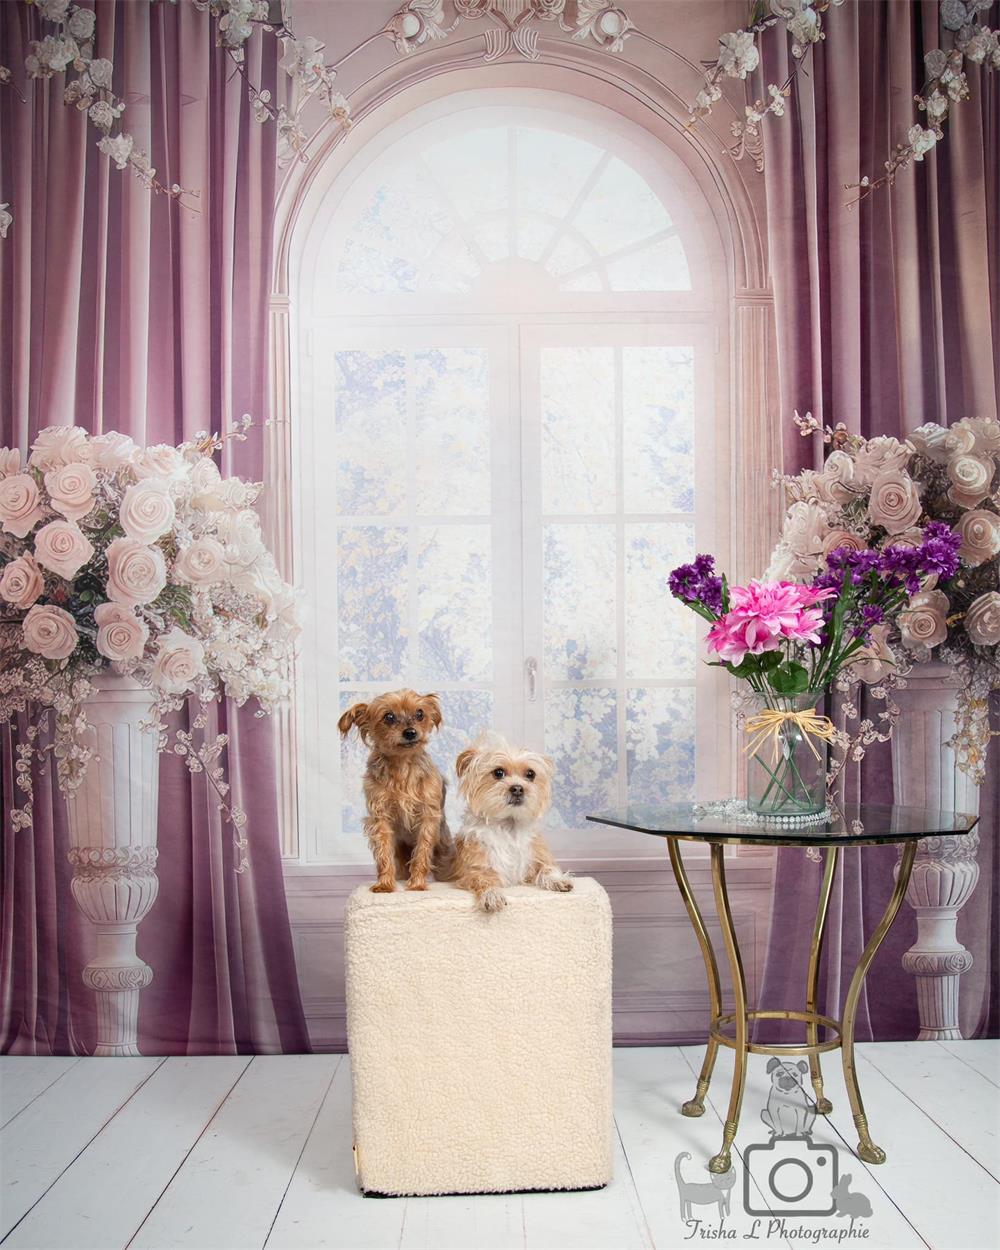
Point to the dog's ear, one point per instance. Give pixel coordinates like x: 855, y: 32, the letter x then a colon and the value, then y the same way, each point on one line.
x: 353, y: 716
x: 463, y: 761
x: 772, y: 1064
x: 433, y: 705
x: 802, y: 1066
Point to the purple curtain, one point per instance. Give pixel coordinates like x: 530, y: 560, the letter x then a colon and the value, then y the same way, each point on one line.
x: 122, y: 310
x: 886, y: 318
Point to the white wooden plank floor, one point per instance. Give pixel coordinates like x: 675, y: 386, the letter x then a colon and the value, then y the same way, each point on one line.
x: 238, y: 1153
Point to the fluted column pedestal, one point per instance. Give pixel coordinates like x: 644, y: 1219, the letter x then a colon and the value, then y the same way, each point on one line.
x: 112, y: 825
x: 945, y: 872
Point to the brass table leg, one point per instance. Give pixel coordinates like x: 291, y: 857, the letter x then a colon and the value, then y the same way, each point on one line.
x: 832, y: 859
x: 867, y: 1150
x: 722, y: 1161
x: 696, y: 1106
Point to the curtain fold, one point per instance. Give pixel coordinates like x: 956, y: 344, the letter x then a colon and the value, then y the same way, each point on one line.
x: 887, y: 316
x: 122, y: 310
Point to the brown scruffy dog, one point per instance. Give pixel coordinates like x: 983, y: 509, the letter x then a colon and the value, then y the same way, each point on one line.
x: 403, y: 789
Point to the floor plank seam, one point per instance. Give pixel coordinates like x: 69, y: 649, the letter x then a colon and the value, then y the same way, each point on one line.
x: 952, y: 1054
x: 305, y: 1143
x: 86, y: 1146
x: 173, y: 1176
x: 53, y: 1082
x: 650, y: 1240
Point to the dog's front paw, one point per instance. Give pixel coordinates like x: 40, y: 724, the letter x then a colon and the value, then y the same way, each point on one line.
x: 384, y: 887
x: 549, y: 881
x: 492, y: 900
x: 416, y: 884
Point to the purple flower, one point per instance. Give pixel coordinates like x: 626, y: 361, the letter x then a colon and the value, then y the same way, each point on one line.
x: 697, y: 583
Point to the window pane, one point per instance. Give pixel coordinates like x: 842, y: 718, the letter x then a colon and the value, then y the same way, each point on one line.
x: 452, y: 406
x: 658, y: 414
x: 581, y: 735
x: 353, y: 759
x: 472, y: 169
x: 370, y: 420
x: 660, y: 267
x: 620, y: 209
x: 466, y: 714
x: 578, y: 429
x: 579, y: 595
x: 367, y: 271
x: 659, y: 631
x: 455, y: 602
x: 405, y: 215
x: 552, y: 169
x: 371, y: 603
x: 660, y: 737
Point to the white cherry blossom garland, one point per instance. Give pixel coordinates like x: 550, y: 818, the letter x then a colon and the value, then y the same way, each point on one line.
x: 945, y: 86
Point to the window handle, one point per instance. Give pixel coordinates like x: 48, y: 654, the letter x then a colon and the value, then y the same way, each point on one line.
x: 531, y: 672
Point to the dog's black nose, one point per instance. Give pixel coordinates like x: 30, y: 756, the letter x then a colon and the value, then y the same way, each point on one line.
x: 517, y: 792
x: 409, y: 734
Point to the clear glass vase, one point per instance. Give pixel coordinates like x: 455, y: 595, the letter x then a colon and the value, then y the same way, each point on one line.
x: 786, y: 766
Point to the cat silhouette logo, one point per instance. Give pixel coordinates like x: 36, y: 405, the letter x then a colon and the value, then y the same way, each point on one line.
x: 715, y: 1192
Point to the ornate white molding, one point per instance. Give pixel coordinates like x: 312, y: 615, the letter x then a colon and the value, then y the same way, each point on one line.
x: 112, y: 827
x: 946, y: 870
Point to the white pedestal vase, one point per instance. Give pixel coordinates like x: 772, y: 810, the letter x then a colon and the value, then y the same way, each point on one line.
x: 945, y: 872
x: 112, y: 827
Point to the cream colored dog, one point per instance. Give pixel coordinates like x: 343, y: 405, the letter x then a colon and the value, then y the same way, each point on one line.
x: 507, y: 791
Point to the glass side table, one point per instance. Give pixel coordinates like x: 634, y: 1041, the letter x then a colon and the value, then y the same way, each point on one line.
x: 850, y: 825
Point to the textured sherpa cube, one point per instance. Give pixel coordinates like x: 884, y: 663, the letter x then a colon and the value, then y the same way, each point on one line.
x: 480, y: 1043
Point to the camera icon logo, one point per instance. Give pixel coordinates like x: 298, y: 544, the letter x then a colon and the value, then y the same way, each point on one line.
x: 789, y: 1176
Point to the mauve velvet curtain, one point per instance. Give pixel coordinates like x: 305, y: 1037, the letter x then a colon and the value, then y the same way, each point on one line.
x: 121, y: 310
x: 887, y: 316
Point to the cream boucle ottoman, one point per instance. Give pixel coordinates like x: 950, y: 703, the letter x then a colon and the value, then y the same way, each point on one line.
x: 480, y: 1044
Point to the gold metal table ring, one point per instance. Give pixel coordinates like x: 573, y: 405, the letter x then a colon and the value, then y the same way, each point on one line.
x: 741, y: 1018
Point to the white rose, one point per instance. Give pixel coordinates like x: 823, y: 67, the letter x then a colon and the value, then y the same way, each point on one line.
x: 120, y: 633
x: 876, y: 659
x: 738, y: 53
x: 929, y: 441
x: 180, y: 661
x: 63, y: 548
x: 980, y: 532
x: 81, y: 24
x: 971, y: 478
x: 982, y: 620
x: 201, y: 564
x: 878, y: 456
x: 21, y: 582
x: 240, y: 532
x: 58, y: 445
x: 52, y: 10
x: 19, y: 504
x: 924, y: 622
x: 205, y: 483
x: 136, y: 573
x: 10, y: 461
x: 147, y: 511
x: 49, y: 632
x: 100, y: 70
x: 842, y: 538
x: 161, y: 461
x: 71, y: 490
x: 837, y: 478
x: 905, y: 538
x: 985, y: 434
x: 110, y: 451
x: 805, y: 528
x: 894, y: 502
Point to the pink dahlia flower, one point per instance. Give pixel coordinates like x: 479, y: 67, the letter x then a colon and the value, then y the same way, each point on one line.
x: 763, y: 615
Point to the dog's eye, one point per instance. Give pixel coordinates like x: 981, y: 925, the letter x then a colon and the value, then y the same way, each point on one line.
x: 419, y: 715
x: 498, y: 773
x: 389, y: 718
x: 530, y: 774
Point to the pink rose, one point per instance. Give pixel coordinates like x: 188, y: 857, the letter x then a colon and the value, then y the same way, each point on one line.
x: 120, y: 633
x: 180, y: 661
x: 876, y: 659
x: 980, y: 532
x: 147, y: 511
x: 58, y: 445
x: 895, y: 501
x: 10, y: 461
x: 986, y: 434
x: 879, y: 456
x: 71, y: 490
x: 982, y: 621
x: 843, y: 538
x: 924, y: 622
x: 22, y: 582
x: 49, y: 632
x: 61, y: 547
x: 136, y: 573
x: 971, y: 479
x: 201, y: 564
x: 110, y: 451
x: 19, y: 504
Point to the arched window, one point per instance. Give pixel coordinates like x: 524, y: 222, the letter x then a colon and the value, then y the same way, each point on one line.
x: 509, y: 345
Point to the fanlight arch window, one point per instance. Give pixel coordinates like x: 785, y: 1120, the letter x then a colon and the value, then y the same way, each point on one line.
x: 508, y: 382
